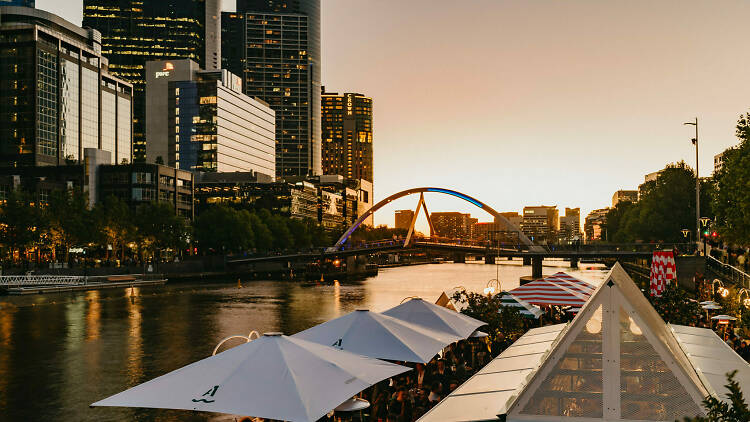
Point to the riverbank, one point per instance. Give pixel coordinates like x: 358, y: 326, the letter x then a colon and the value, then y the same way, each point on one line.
x: 31, y: 290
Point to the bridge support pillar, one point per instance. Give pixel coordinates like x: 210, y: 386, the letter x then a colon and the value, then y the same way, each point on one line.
x: 574, y: 262
x: 536, y: 267
x: 459, y: 258
x: 526, y: 260
x: 489, y: 259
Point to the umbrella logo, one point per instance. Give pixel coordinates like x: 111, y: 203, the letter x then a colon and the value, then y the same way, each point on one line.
x: 337, y: 343
x: 209, y: 393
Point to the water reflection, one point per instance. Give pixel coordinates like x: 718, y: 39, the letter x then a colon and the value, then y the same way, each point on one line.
x: 76, y: 348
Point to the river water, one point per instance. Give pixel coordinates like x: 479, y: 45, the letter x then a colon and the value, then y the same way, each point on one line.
x: 61, y: 352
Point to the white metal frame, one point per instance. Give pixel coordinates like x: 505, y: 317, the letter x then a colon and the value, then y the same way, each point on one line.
x: 611, y: 297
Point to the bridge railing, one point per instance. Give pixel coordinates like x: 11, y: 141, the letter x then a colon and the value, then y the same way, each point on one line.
x: 40, y: 280
x: 728, y: 272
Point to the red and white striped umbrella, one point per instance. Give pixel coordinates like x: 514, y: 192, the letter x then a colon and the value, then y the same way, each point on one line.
x: 546, y: 293
x: 571, y: 282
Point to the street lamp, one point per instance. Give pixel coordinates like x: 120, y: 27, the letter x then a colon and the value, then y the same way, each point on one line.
x: 697, y: 179
x: 723, y: 291
x: 746, y: 302
x: 704, y: 235
x: 686, y: 234
x: 489, y: 290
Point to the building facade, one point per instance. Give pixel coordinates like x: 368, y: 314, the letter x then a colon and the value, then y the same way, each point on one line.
x: 346, y: 122
x: 595, y: 225
x: 452, y: 225
x: 142, y: 183
x: 624, y: 196
x: 57, y: 96
x: 275, y: 48
x: 541, y: 223
x: 135, y: 184
x: 570, y: 225
x: 201, y: 121
x: 134, y: 32
x: 403, y: 219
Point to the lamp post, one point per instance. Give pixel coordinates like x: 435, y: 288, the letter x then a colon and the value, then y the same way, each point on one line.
x: 686, y: 234
x: 746, y: 302
x: 723, y: 291
x: 697, y: 180
x: 704, y: 223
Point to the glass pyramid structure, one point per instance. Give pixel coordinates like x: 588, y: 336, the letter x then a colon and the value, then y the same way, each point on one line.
x: 617, y: 361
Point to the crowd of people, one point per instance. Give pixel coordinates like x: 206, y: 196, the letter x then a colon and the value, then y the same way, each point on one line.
x: 407, y: 397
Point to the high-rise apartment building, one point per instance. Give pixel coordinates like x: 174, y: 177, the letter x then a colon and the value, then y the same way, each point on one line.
x: 201, y: 121
x: 403, y: 218
x: 57, y: 96
x: 275, y: 47
x: 570, y: 225
x: 346, y: 122
x: 136, y: 31
x: 540, y: 223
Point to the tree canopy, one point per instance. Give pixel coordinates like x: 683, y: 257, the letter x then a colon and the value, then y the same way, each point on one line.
x: 732, y: 201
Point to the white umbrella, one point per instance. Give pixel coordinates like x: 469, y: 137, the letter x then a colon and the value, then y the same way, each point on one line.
x: 273, y: 377
x: 479, y: 334
x: 711, y: 306
x: 379, y: 336
x: 434, y: 317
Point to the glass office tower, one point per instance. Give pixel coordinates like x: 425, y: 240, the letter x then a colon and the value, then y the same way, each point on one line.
x: 275, y: 47
x: 56, y: 95
x: 347, y: 135
x: 136, y: 31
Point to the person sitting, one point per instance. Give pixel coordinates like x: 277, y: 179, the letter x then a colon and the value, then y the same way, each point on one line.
x: 435, y: 393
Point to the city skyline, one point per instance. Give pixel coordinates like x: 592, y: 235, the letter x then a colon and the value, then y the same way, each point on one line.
x: 547, y: 76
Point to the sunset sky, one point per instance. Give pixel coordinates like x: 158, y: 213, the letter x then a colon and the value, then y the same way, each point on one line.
x: 533, y: 102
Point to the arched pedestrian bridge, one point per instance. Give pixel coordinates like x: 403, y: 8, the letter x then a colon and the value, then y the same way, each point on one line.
x: 421, y: 205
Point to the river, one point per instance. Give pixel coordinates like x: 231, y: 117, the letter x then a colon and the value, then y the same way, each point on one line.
x: 61, y: 352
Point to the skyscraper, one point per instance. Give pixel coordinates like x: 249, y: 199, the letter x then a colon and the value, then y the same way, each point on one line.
x: 200, y: 120
x: 275, y: 47
x: 56, y: 96
x: 346, y: 122
x: 135, y: 31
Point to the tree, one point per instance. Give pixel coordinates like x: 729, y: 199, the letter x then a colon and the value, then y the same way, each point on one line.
x: 731, y: 199
x: 719, y: 411
x: 263, y: 236
x: 666, y: 206
x: 300, y: 233
x: 281, y: 237
x: 505, y: 323
x: 20, y: 222
x: 69, y: 220
x: 160, y: 228
x: 224, y: 229
x: 114, y: 223
x: 674, y: 307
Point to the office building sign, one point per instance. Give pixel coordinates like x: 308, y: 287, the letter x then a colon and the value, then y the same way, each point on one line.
x: 164, y: 73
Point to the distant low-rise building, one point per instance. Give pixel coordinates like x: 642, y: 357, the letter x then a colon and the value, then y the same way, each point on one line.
x: 453, y: 225
x: 135, y: 183
x: 594, y: 227
x: 403, y: 219
x: 624, y: 196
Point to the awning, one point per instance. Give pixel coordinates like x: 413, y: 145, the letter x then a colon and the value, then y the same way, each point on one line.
x: 526, y: 309
x: 571, y: 282
x: 546, y: 293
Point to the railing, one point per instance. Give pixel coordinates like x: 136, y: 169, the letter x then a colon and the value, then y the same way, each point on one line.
x: 41, y: 280
x: 728, y: 272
